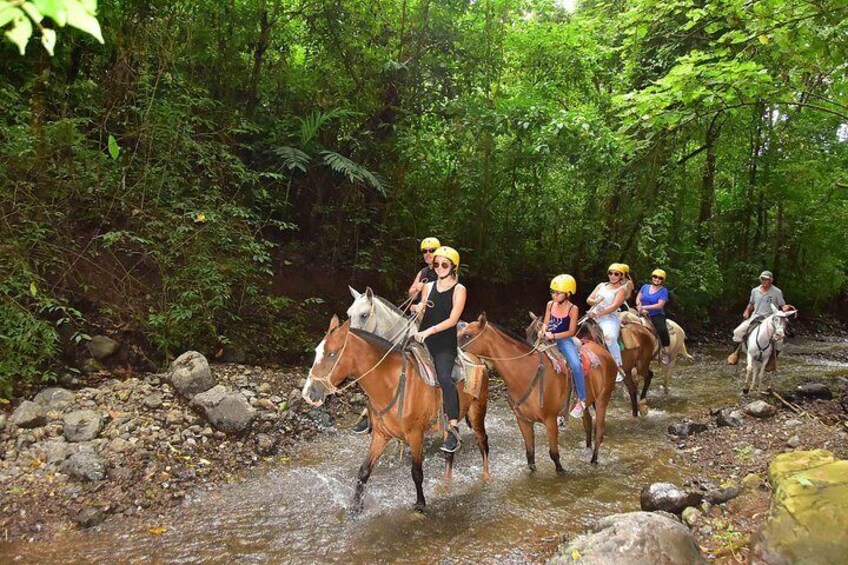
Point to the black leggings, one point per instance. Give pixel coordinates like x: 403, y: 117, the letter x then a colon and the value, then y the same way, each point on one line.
x: 662, y: 328
x: 444, y: 361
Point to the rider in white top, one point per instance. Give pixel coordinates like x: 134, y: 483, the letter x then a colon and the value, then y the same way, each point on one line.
x: 605, y: 301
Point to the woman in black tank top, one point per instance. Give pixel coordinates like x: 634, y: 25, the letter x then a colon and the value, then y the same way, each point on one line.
x: 442, y: 303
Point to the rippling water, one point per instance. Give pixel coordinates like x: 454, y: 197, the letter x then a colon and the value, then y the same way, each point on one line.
x: 296, y: 511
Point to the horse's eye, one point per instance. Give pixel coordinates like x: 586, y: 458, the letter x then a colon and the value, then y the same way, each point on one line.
x: 331, y: 354
x: 364, y: 316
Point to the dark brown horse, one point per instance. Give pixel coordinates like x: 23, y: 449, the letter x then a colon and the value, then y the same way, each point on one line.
x: 402, y: 405
x: 536, y: 392
x: 638, y: 358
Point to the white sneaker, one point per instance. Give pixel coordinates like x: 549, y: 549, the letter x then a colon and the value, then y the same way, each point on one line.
x: 619, y: 378
x: 577, y: 411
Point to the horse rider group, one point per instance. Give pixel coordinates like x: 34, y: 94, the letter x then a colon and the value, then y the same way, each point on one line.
x: 438, y: 298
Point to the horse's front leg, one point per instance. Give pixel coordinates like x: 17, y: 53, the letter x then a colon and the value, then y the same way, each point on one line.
x: 529, y: 436
x: 553, y: 441
x: 378, y: 445
x: 748, y: 372
x: 416, y: 447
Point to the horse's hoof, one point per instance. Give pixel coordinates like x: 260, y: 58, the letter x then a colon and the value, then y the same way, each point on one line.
x: 419, y: 507
x: 745, y: 390
x: 594, y: 461
x: 643, y: 408
x: 532, y: 468
x: 560, y: 471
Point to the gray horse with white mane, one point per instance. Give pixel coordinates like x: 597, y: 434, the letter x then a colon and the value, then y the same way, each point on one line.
x: 377, y: 315
x: 761, y: 344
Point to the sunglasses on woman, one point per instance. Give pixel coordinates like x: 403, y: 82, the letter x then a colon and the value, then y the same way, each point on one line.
x: 656, y: 278
x: 431, y: 251
x: 441, y: 265
x: 614, y: 274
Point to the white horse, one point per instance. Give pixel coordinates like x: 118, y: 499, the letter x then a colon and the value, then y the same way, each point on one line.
x: 377, y: 315
x: 761, y: 344
x: 677, y: 345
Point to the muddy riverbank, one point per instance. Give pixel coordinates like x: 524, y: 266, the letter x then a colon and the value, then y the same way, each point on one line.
x: 280, y: 492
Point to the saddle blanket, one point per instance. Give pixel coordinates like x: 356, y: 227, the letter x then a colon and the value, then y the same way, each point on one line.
x: 588, y: 359
x: 468, y: 368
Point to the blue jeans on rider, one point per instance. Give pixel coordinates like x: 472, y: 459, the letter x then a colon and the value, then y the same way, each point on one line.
x: 569, y: 350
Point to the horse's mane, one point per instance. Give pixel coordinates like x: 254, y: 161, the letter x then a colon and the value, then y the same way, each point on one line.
x: 388, y: 305
x: 376, y: 340
x: 511, y: 334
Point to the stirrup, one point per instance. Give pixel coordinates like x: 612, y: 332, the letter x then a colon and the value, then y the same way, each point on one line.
x: 452, y: 432
x: 619, y: 378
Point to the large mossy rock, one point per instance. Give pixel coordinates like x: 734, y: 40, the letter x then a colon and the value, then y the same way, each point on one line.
x: 809, y: 516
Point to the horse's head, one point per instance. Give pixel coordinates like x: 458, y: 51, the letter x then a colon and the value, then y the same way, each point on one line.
x: 330, y: 367
x: 532, y: 330
x: 779, y: 320
x: 362, y: 312
x: 468, y: 336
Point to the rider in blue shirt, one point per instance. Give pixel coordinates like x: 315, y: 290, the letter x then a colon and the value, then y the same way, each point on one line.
x: 651, y: 300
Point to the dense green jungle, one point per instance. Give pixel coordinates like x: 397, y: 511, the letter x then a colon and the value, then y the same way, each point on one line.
x: 212, y: 175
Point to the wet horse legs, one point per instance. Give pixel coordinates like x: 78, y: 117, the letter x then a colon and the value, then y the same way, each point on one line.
x: 378, y: 445
x: 553, y: 442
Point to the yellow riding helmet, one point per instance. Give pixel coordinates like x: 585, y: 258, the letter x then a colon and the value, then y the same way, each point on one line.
x: 658, y: 273
x: 625, y: 268
x: 617, y: 267
x: 564, y: 283
x: 430, y: 243
x: 448, y: 253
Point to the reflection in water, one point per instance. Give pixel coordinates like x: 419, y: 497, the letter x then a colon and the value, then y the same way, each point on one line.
x: 296, y: 511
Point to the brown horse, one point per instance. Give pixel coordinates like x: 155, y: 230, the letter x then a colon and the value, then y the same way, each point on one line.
x: 401, y: 404
x: 536, y: 393
x: 638, y: 358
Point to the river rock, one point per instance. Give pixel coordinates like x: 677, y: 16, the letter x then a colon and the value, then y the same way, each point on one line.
x: 54, y: 398
x: 57, y: 451
x: 191, y: 375
x: 320, y: 417
x: 28, y: 415
x: 793, y: 442
x: 760, y: 409
x: 808, y: 517
x: 228, y: 412
x: 636, y: 538
x: 102, y: 347
x: 692, y: 515
x: 729, y: 418
x: 82, y: 425
x: 89, y: 517
x: 814, y: 391
x: 686, y: 428
x: 265, y: 444
x: 722, y: 494
x: 2, y: 421
x: 668, y: 498
x: 85, y: 465
x: 153, y: 401
x: 752, y: 481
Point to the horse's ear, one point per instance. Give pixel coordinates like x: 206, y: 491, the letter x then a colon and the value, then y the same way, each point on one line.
x: 532, y: 316
x: 481, y: 319
x: 774, y: 309
x: 369, y: 293
x: 353, y: 292
x: 334, y: 323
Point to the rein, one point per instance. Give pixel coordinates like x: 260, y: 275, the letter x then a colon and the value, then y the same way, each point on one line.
x: 534, y: 348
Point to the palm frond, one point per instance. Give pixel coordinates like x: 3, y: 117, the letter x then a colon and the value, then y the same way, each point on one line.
x: 355, y: 173
x: 291, y: 158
